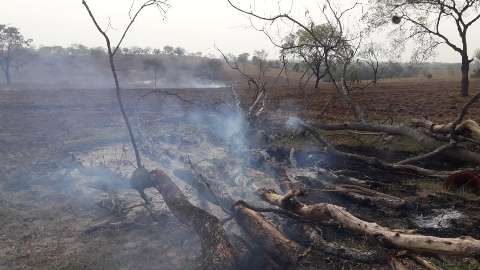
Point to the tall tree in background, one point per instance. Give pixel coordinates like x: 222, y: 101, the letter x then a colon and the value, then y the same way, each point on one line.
x: 373, y: 55
x: 427, y: 23
x: 112, y: 51
x: 11, y: 41
x: 156, y: 66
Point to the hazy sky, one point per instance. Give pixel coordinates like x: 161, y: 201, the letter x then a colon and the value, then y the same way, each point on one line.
x: 193, y: 24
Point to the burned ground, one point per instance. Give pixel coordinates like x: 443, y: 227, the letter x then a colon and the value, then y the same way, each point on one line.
x: 65, y: 158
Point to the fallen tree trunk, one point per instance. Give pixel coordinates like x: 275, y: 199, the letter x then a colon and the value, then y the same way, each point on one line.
x: 287, y: 252
x: 463, y: 246
x: 423, y: 140
x: 262, y: 232
x: 217, y: 251
x: 468, y: 126
x: 373, y: 161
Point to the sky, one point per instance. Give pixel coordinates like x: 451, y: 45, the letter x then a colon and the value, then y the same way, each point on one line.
x: 196, y: 25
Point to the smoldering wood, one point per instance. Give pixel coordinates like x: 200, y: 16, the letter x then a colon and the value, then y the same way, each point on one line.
x: 265, y: 234
x: 217, y: 251
x: 398, y: 238
x: 275, y: 243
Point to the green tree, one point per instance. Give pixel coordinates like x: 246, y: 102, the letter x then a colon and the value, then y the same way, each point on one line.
x: 11, y: 42
x: 310, y: 46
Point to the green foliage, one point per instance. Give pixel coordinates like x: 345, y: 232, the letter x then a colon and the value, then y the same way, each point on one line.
x: 11, y: 38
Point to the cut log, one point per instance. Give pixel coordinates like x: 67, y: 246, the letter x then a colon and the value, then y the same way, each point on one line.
x: 401, y: 239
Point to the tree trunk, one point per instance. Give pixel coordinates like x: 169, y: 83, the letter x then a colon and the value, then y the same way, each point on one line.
x: 6, y: 69
x: 155, y: 77
x: 217, y: 251
x: 317, y: 81
x: 122, y: 108
x: 400, y: 239
x: 465, y: 73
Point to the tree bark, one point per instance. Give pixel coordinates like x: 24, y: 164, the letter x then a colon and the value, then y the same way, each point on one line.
x: 402, y: 130
x: 6, y: 69
x: 264, y: 233
x: 401, y: 239
x: 218, y: 253
x: 317, y: 82
x: 465, y: 73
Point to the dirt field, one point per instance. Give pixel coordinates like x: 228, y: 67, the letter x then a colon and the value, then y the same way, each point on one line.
x: 54, y: 146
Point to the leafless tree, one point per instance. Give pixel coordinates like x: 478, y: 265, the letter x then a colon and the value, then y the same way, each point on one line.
x: 112, y: 51
x: 256, y: 83
x: 336, y: 46
x: 372, y: 55
x: 426, y: 22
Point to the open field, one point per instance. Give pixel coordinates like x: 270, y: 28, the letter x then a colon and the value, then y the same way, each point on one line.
x: 58, y: 150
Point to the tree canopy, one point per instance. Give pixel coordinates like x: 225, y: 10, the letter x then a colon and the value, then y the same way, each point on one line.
x: 427, y: 22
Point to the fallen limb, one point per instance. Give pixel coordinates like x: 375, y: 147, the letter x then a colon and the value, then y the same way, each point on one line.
x: 423, y: 262
x: 373, y: 161
x: 423, y: 140
x: 287, y: 252
x: 468, y: 127
x: 435, y: 152
x: 331, y: 248
x: 264, y: 233
x: 401, y: 239
x: 210, y: 191
x: 217, y: 251
x: 362, y: 195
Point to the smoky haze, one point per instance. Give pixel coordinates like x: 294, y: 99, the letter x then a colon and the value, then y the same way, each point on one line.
x: 195, y: 25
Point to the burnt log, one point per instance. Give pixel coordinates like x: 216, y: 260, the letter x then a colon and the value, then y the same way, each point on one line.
x: 217, y: 251
x: 401, y: 239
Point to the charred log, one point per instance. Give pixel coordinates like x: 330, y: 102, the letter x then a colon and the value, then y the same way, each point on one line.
x: 401, y: 239
x: 218, y: 252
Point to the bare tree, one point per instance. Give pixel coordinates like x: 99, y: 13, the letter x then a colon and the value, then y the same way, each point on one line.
x: 337, y: 47
x: 256, y: 84
x: 112, y: 50
x: 11, y: 42
x: 372, y: 57
x: 427, y: 22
